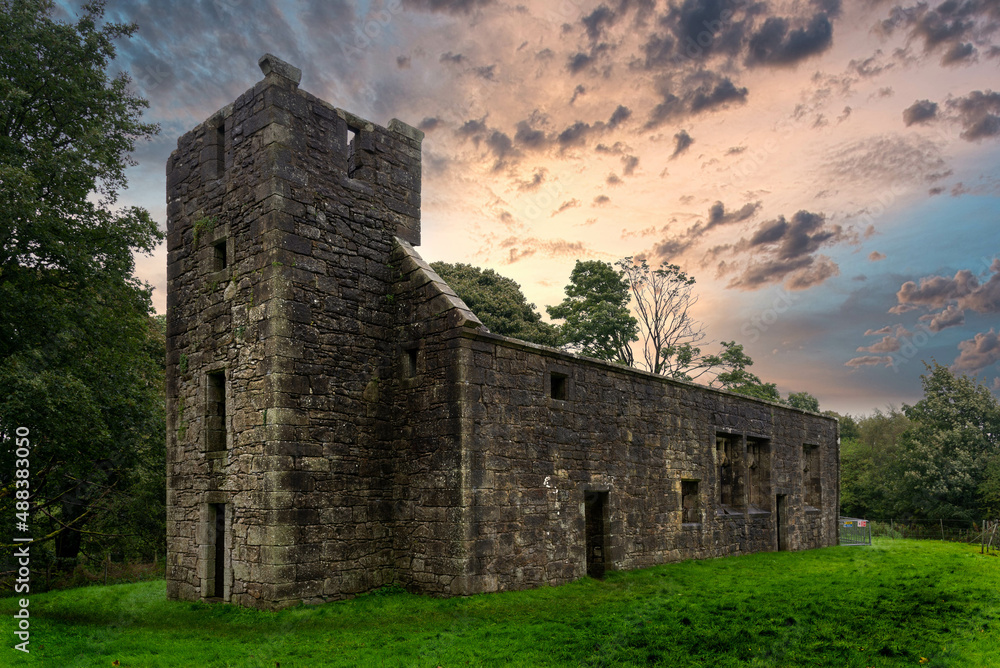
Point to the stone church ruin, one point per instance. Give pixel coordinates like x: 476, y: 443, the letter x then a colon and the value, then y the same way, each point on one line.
x: 339, y: 420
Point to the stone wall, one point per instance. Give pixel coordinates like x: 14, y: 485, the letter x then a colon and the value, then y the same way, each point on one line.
x: 339, y: 420
x: 636, y: 437
x: 280, y: 228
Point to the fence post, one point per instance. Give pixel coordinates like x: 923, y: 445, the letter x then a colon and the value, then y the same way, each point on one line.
x: 942, y: 527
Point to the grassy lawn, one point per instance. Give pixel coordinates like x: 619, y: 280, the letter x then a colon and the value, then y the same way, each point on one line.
x: 898, y: 603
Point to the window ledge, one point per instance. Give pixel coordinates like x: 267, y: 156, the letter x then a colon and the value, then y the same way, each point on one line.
x: 812, y: 510
x: 691, y: 526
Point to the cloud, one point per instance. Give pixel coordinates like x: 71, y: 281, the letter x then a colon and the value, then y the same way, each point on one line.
x: 869, y: 360
x: 979, y: 114
x: 703, y: 93
x: 403, y: 62
x: 598, y: 20
x: 682, y: 142
x: 717, y: 216
x: 630, y: 163
x: 884, y: 158
x: 619, y: 116
x: 774, y: 44
x: 519, y: 248
x: 601, y: 200
x: 875, y: 332
x: 571, y: 204
x: 536, y: 180
x: 888, y: 344
x: 950, y: 28
x: 578, y: 61
x: 920, y: 111
x: 875, y: 256
x: 950, y: 317
x: 783, y: 250
x: 449, y: 6
x: 937, y: 291
x: 977, y: 353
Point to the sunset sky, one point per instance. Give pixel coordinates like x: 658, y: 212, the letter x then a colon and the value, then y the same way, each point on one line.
x: 828, y: 171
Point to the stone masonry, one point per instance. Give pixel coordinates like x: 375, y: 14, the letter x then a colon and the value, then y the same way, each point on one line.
x: 339, y: 420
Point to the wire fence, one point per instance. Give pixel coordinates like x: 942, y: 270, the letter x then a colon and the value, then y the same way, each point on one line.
x: 964, y: 531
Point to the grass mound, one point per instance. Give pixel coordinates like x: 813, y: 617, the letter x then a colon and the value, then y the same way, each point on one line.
x: 897, y: 603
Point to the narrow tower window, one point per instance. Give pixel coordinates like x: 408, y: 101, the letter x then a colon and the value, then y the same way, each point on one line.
x: 215, y: 412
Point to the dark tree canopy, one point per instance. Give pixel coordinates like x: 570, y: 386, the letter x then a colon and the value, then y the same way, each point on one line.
x: 597, y: 320
x: 803, y: 401
x: 498, y: 302
x: 954, y: 434
x: 80, y: 360
x: 736, y: 378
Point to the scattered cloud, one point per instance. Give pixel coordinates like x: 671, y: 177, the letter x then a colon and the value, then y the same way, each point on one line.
x: 979, y: 114
x: 682, y: 142
x: 875, y: 256
x: 869, y: 360
x: 920, y: 111
x: 977, y: 353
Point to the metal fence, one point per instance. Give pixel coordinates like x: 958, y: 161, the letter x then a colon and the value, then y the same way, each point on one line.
x: 964, y: 531
x: 855, y: 531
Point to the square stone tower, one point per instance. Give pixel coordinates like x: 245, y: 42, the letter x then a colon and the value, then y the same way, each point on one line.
x: 282, y: 212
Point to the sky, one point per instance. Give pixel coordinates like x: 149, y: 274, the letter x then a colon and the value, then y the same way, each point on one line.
x: 827, y: 170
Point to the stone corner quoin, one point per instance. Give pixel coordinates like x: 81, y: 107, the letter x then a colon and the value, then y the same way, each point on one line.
x: 339, y: 420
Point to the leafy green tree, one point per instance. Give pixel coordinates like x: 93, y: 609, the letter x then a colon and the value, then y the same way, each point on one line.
x: 869, y: 448
x: 848, y: 425
x: 597, y: 320
x: 944, y: 454
x: 736, y: 378
x: 498, y: 302
x: 803, y: 401
x: 76, y: 365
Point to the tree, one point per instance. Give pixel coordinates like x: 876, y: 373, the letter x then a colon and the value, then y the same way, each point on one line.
x: 598, y: 322
x: 498, y: 302
x: 76, y: 364
x: 869, y: 448
x: 670, y: 334
x: 944, y: 454
x: 803, y: 401
x: 735, y: 376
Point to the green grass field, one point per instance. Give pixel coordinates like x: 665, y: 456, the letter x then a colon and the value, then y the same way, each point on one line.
x: 898, y: 603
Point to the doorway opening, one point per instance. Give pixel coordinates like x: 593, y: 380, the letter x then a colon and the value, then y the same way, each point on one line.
x: 782, y: 521
x: 595, y: 506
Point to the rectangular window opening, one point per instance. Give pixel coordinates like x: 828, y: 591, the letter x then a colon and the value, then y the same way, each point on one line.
x: 219, y: 260
x: 220, y: 146
x: 558, y: 386
x: 691, y: 509
x: 219, y: 553
x: 215, y: 412
x: 812, y: 480
x: 759, y: 466
x: 411, y: 363
x: 352, y: 162
x: 729, y: 459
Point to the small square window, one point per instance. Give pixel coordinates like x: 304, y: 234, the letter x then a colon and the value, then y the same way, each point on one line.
x: 219, y: 260
x: 558, y: 386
